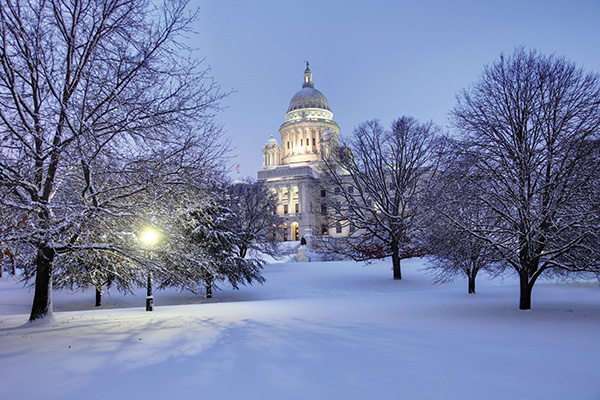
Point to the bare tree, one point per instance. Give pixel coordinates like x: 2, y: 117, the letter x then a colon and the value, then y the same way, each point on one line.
x: 258, y: 219
x: 531, y: 123
x: 100, y: 114
x: 452, y: 216
x: 375, y: 183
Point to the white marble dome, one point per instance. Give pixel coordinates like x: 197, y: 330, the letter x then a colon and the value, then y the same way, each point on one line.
x: 308, y: 96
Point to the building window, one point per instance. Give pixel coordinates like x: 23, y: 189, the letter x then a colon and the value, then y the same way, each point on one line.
x: 352, y: 228
x: 324, y: 208
x: 307, y: 141
x: 322, y: 192
x: 337, y: 190
x: 338, y: 228
x: 350, y: 189
x: 324, y: 230
x: 285, y: 208
x: 288, y: 144
x: 295, y: 230
x: 314, y: 142
x: 296, y: 208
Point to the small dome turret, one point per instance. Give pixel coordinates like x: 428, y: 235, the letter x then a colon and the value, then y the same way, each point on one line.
x: 272, y: 142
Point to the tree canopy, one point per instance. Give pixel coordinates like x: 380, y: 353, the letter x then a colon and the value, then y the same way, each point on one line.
x: 375, y: 185
x: 101, y: 114
x: 531, y: 126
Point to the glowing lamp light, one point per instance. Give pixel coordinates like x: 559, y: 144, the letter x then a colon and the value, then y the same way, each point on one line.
x: 149, y: 237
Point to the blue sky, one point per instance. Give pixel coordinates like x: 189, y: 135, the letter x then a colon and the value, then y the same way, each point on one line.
x: 379, y: 60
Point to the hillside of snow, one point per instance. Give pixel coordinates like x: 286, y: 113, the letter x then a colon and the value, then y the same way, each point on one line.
x: 320, y: 330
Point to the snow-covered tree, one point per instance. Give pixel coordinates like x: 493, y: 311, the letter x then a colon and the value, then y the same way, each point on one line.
x: 104, y: 259
x: 374, y: 185
x: 204, y: 248
x: 531, y: 124
x: 100, y: 115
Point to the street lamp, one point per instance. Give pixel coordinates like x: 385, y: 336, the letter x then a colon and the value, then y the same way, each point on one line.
x: 149, y: 238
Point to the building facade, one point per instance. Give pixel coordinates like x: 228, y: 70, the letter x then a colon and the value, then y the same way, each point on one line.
x: 291, y: 165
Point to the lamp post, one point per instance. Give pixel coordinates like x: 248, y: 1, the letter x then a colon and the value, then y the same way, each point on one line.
x: 149, y: 238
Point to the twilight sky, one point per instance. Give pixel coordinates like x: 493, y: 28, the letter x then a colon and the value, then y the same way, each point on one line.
x: 379, y: 60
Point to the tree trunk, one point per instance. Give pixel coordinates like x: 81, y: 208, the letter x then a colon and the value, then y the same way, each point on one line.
x: 149, y: 297
x: 42, y: 298
x: 98, y: 297
x: 472, y: 276
x: 525, y: 296
x: 396, y: 261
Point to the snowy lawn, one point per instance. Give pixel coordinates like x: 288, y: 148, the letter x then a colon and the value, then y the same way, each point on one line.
x: 337, y: 330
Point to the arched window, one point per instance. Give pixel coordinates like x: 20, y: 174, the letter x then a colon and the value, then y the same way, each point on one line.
x: 295, y: 232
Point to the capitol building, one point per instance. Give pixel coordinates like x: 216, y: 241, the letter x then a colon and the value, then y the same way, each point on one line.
x: 291, y: 166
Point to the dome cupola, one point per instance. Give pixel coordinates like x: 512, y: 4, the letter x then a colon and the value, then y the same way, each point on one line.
x: 308, y: 78
x: 308, y: 96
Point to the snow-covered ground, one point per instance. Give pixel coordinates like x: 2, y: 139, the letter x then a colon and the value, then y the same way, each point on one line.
x: 337, y: 330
